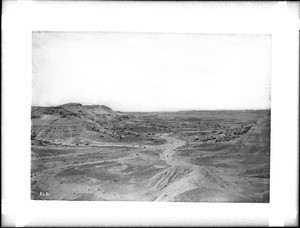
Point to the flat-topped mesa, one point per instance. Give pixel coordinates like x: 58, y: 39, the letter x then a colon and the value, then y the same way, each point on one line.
x: 97, y: 106
x: 99, y: 109
x: 91, y: 106
x: 106, y: 108
x: 73, y: 107
x: 71, y: 104
x: 73, y: 122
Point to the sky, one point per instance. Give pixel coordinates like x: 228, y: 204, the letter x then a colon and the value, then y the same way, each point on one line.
x: 152, y: 71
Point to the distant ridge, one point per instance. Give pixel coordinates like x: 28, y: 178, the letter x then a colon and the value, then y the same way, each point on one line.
x: 107, y: 108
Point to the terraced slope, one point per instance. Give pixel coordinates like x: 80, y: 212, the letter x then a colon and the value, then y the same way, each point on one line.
x: 76, y: 124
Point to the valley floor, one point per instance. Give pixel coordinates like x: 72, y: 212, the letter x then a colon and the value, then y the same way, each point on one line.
x: 166, y: 172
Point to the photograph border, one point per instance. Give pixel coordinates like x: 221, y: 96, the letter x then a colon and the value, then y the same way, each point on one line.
x: 20, y: 18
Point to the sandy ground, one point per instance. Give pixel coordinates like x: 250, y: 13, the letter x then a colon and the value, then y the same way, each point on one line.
x: 132, y: 172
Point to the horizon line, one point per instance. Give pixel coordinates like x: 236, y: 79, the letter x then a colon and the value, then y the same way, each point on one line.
x: 179, y: 110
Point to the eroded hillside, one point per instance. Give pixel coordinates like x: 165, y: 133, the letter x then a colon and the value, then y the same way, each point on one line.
x: 91, y: 152
x: 75, y: 124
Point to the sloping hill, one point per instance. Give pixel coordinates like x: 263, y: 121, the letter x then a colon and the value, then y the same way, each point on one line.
x: 74, y: 123
x: 257, y: 138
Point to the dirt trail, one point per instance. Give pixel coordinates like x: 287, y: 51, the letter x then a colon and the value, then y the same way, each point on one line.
x: 169, y: 151
x: 179, y: 176
x: 183, y: 176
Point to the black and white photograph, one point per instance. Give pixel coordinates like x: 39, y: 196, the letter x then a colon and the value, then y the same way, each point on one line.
x: 111, y: 119
x: 150, y: 113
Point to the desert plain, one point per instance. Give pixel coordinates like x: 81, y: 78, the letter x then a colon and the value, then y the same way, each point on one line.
x: 93, y: 153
